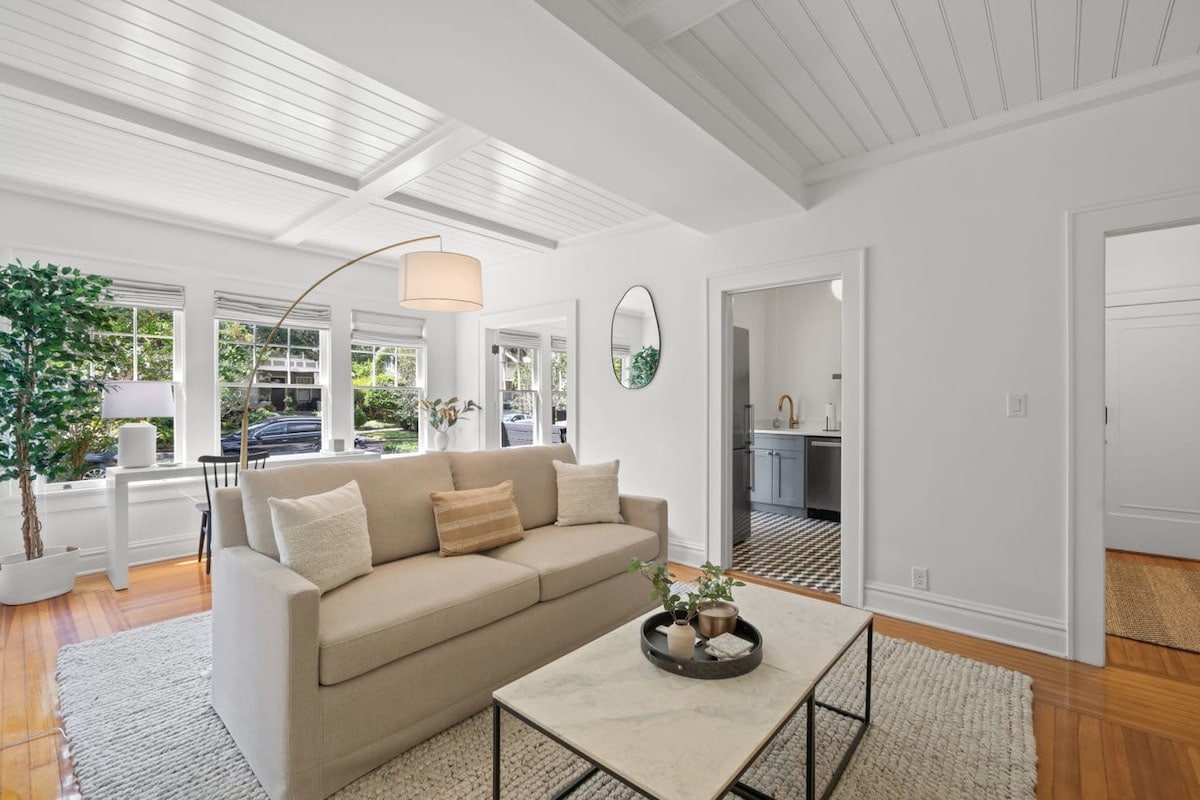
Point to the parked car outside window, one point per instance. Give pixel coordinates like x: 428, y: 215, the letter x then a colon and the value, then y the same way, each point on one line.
x: 278, y: 436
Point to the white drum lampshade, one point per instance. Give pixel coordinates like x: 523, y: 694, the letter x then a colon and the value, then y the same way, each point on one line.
x: 136, y: 441
x: 437, y: 281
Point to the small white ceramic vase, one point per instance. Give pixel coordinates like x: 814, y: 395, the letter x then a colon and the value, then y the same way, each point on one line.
x: 681, y: 640
x: 441, y: 440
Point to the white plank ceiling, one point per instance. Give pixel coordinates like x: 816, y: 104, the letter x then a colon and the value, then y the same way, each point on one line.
x: 190, y: 111
x: 821, y: 83
x: 185, y: 110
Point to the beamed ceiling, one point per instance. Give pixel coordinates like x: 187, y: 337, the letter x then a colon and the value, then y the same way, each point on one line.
x: 194, y: 113
x: 827, y: 87
x: 188, y: 111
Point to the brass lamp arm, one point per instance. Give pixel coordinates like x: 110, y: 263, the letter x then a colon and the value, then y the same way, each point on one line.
x: 271, y: 336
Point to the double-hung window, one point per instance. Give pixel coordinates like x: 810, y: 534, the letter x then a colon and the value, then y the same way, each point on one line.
x: 291, y: 380
x: 142, y: 323
x: 387, y: 361
x: 518, y: 371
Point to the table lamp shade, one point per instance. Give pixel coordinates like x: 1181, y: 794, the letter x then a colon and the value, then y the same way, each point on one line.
x: 438, y: 281
x: 136, y: 441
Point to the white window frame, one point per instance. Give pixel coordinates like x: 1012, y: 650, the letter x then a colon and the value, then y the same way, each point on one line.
x: 321, y: 382
x: 176, y: 372
x: 418, y: 387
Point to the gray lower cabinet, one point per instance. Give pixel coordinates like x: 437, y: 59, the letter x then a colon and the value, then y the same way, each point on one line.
x: 778, y: 474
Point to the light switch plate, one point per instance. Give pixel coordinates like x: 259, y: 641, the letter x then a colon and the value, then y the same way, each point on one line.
x: 1015, y: 403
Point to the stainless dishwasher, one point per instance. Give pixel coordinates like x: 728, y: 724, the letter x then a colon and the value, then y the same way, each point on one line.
x: 823, y: 476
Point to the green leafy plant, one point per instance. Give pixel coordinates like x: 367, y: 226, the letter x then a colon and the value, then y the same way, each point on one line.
x: 47, y: 367
x: 712, y: 586
x: 444, y: 414
x: 679, y: 606
x: 643, y: 366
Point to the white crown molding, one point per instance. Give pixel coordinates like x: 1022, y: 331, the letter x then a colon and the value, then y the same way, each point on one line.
x: 1177, y: 72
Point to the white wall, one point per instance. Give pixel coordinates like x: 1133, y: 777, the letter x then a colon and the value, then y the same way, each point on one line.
x: 795, y: 347
x: 164, y: 523
x: 966, y: 298
x: 1160, y: 259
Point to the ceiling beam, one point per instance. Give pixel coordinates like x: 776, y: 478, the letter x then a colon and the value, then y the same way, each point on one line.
x: 514, y: 70
x: 501, y: 231
x: 34, y: 88
x: 673, y: 18
x: 431, y: 151
x: 428, y: 153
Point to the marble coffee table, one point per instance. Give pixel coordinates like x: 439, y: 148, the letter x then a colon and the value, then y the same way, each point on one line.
x: 609, y: 705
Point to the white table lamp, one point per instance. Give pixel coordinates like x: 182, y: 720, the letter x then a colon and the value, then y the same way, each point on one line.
x: 136, y: 441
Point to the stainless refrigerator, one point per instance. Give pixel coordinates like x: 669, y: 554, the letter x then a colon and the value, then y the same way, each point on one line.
x: 742, y: 439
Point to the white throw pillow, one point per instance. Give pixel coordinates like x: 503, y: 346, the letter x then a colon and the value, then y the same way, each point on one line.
x: 323, y: 537
x: 587, y: 493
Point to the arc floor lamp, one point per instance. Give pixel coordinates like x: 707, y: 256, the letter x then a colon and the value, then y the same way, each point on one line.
x: 430, y: 280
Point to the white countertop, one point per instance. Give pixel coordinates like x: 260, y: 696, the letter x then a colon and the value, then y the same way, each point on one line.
x: 804, y: 429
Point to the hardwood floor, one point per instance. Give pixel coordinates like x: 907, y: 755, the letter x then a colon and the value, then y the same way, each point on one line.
x: 1130, y: 730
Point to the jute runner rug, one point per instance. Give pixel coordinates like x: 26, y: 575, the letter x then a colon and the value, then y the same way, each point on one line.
x: 136, y: 711
x: 1160, y: 605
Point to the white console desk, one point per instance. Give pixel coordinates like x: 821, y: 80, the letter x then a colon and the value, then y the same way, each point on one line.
x: 117, y: 480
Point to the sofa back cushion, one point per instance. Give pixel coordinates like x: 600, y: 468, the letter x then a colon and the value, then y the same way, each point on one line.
x: 395, y: 492
x: 531, y: 469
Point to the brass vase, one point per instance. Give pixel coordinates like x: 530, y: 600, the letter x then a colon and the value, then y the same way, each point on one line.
x: 717, y: 618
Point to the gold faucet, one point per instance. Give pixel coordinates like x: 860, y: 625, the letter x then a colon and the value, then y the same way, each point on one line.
x: 792, y: 421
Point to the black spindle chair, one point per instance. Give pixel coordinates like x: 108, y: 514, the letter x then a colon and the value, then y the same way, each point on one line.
x: 220, y: 472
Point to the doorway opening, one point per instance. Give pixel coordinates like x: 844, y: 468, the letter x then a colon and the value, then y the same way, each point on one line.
x: 1152, y: 443
x: 787, y: 375
x: 1089, y: 231
x: 732, y: 425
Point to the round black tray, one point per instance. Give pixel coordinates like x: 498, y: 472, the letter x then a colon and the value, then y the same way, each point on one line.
x: 702, y: 665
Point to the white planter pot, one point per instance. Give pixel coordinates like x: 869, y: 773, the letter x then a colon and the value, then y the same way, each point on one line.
x: 441, y: 439
x: 24, y: 581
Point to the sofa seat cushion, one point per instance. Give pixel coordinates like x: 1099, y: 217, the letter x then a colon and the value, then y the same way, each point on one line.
x: 567, y: 559
x: 407, y: 605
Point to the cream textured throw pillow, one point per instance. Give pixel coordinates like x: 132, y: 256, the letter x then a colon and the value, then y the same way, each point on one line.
x: 587, y: 493
x: 476, y: 519
x: 323, y: 537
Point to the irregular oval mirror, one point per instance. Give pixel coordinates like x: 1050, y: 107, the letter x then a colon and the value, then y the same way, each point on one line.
x: 635, y: 341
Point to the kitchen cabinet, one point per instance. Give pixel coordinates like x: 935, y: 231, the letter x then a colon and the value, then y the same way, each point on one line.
x: 778, y: 474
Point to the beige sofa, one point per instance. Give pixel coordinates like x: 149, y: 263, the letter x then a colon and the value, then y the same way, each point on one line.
x: 318, y: 690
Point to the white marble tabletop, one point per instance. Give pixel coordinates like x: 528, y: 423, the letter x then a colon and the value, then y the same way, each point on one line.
x: 679, y: 738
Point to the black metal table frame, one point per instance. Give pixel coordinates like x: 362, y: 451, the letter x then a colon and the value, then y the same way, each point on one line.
x: 809, y: 703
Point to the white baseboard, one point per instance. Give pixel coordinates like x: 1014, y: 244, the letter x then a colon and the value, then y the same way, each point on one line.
x: 1003, y: 625
x: 142, y: 551
x: 688, y: 553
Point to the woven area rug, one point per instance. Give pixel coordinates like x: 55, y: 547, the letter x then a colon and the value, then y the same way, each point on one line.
x: 1160, y: 605
x: 135, y: 707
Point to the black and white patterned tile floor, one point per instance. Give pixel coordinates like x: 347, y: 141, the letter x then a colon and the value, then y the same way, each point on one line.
x: 806, y: 552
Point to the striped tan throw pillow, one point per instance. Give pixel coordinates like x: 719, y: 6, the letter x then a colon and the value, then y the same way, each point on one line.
x: 476, y: 519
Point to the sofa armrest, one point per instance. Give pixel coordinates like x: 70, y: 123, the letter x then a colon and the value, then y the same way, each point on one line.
x: 228, y: 520
x: 264, y: 673
x: 649, y: 513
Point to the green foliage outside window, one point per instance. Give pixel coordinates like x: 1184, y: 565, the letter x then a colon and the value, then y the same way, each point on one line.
x: 386, y: 397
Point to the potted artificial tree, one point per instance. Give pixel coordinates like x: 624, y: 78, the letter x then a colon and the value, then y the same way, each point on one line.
x: 49, y: 361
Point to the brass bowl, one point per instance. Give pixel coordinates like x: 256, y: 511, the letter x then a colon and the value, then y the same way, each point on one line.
x: 717, y: 619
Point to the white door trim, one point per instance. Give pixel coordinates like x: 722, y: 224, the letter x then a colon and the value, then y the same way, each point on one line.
x: 850, y: 266
x: 1086, y: 232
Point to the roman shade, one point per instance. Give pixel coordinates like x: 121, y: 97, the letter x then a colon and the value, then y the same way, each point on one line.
x: 263, y: 310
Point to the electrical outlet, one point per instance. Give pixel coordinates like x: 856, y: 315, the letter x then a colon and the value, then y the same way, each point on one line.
x: 920, y: 578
